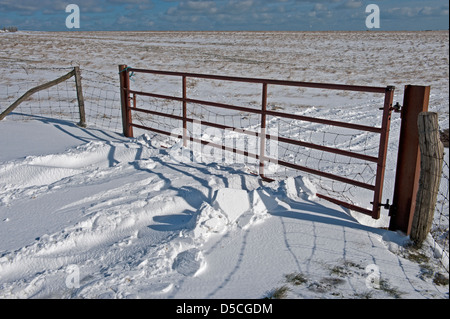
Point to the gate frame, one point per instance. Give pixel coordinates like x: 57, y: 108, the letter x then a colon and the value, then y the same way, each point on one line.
x: 388, y: 92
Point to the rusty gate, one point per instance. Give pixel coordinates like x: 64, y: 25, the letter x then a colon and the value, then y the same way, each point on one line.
x: 128, y: 94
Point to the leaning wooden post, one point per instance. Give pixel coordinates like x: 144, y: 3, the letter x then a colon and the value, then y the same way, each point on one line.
x: 80, y: 97
x: 35, y: 90
x: 125, y: 101
x: 431, y: 161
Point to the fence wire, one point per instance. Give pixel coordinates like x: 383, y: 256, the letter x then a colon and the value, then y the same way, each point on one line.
x: 440, y: 226
x: 100, y: 91
x: 103, y: 110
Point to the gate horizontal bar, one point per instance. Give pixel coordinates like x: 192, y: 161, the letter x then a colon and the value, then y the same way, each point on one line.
x: 343, y: 87
x: 358, y: 127
x: 346, y: 205
x: 176, y: 117
x: 324, y: 148
x: 323, y: 174
x: 155, y: 130
x: 193, y: 101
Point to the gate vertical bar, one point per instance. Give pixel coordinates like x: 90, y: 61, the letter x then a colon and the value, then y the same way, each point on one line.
x: 415, y: 101
x: 382, y: 151
x: 184, y: 112
x: 262, y: 145
x: 125, y: 101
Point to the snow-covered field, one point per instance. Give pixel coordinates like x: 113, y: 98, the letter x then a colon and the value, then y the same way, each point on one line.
x: 87, y: 213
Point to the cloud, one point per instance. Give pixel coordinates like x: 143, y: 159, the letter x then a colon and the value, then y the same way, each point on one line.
x: 206, y: 13
x: 224, y: 14
x: 414, y: 12
x: 194, y: 7
x: 129, y: 1
x: 352, y: 4
x: 320, y: 11
x: 29, y: 7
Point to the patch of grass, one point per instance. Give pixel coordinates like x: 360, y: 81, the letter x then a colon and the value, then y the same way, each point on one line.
x: 344, y: 270
x: 352, y: 264
x: 426, y: 271
x: 417, y: 257
x: 440, y: 279
x: 364, y: 295
x: 296, y: 279
x: 278, y: 293
x: 333, y: 281
x: 340, y: 271
x: 327, y: 285
x: 386, y: 287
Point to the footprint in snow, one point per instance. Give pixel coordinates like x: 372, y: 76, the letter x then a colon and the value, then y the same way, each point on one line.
x: 189, y: 262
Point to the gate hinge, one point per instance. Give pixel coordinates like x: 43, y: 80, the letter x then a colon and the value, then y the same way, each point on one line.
x: 385, y: 206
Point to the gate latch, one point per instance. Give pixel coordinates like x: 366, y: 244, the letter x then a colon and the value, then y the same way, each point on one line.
x: 385, y: 206
x: 397, y: 108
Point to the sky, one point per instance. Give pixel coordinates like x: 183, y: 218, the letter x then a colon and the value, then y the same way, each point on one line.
x: 225, y: 15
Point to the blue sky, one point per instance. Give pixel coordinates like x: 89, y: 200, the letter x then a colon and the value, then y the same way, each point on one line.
x: 253, y: 15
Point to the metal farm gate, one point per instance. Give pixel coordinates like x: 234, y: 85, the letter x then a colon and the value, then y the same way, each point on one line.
x: 128, y: 95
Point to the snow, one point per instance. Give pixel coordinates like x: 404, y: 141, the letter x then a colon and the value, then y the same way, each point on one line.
x: 88, y: 213
x: 137, y: 223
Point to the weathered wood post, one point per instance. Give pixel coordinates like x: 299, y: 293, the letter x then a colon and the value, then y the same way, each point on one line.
x: 80, y: 97
x: 125, y: 101
x: 431, y: 161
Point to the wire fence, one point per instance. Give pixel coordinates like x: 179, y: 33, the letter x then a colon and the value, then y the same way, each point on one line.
x: 100, y: 91
x: 103, y: 110
x: 440, y: 226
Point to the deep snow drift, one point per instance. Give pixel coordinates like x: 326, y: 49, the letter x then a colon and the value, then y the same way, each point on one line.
x: 86, y: 213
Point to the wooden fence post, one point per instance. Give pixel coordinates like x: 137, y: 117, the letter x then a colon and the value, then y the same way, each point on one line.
x: 431, y: 161
x: 80, y: 97
x: 125, y: 101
